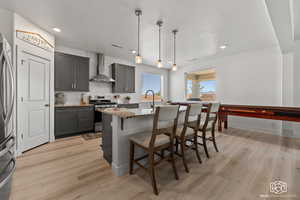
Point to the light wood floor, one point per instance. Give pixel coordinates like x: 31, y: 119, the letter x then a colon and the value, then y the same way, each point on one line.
x: 73, y: 169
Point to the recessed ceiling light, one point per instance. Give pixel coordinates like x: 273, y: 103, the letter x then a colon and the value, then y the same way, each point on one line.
x: 57, y: 30
x: 133, y: 51
x: 193, y: 60
x: 223, y: 46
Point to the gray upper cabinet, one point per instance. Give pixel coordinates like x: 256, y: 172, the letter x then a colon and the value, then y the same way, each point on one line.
x: 82, y: 76
x: 71, y: 72
x: 64, y: 73
x: 124, y: 76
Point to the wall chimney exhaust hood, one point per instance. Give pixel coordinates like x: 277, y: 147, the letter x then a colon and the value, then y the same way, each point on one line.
x: 101, y: 77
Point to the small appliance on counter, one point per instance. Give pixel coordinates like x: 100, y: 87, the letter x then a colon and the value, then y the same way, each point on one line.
x: 100, y: 102
x: 60, y: 98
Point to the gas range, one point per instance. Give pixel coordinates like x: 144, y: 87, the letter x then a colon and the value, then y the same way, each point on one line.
x: 105, y: 104
x: 101, y: 102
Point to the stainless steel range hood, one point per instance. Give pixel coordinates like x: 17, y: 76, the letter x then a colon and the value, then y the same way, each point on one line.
x: 101, y: 77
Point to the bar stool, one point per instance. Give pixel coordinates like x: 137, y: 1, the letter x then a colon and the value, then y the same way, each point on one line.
x: 160, y: 138
x: 188, y: 132
x: 208, y: 123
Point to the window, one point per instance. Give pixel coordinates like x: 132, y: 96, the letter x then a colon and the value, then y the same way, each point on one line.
x: 189, y: 88
x: 151, y: 82
x: 208, y: 90
x: 201, y: 85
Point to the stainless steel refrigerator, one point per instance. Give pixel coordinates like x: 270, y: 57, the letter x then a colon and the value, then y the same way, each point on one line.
x: 7, y: 127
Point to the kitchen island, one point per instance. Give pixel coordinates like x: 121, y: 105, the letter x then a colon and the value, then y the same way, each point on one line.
x: 118, y: 125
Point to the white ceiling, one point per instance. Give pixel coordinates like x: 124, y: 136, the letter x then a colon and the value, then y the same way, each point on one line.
x: 285, y: 16
x: 296, y: 18
x: 203, y: 25
x: 280, y: 13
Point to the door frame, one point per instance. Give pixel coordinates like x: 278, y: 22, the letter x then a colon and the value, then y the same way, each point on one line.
x: 43, y: 54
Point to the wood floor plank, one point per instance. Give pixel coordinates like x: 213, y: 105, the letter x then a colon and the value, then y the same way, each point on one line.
x: 74, y: 169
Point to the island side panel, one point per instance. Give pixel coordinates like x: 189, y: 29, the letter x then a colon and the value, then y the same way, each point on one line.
x: 120, y: 143
x: 107, y: 137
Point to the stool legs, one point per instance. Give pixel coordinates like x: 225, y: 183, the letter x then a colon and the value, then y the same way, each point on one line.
x: 131, y: 158
x: 152, y: 172
x: 182, y: 147
x: 204, y: 143
x: 196, y: 147
x: 214, y: 140
x: 173, y: 162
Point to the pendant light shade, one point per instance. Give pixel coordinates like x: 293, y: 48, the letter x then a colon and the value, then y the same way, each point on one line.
x: 174, y: 67
x: 138, y: 57
x: 159, y: 62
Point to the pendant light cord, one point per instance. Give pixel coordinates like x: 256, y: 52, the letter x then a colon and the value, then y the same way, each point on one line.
x: 139, y: 34
x: 159, y: 49
x: 174, y: 48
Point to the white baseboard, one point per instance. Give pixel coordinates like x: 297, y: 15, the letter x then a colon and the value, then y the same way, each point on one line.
x: 119, y: 170
x: 255, y: 129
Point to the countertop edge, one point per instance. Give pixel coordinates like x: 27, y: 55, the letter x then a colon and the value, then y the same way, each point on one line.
x: 68, y: 106
x: 125, y: 114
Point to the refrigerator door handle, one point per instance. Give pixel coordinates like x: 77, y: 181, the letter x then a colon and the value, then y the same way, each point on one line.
x: 5, y: 181
x: 1, y: 82
x: 8, y: 145
x: 11, y: 74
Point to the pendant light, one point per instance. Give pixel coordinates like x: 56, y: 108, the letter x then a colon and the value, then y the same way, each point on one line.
x: 159, y: 62
x: 138, y: 57
x: 174, y: 67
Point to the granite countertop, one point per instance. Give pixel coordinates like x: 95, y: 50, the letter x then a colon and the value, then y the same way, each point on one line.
x: 126, y: 113
x: 129, y: 113
x: 72, y: 105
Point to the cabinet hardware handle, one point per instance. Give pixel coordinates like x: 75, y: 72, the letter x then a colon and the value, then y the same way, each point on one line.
x: 47, y: 105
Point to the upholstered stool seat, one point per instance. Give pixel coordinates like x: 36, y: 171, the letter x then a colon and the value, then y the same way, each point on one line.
x: 143, y: 139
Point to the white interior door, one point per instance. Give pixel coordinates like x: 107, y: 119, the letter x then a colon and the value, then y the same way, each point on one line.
x: 33, y: 100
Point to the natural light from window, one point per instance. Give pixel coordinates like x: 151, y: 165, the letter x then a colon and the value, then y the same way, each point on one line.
x: 201, y: 85
x: 151, y: 82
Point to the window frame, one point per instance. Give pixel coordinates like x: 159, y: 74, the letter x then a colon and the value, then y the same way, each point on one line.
x: 161, y: 86
x: 194, y: 71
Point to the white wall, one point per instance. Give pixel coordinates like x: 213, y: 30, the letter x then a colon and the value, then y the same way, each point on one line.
x: 104, y: 89
x: 6, y: 24
x: 288, y: 90
x: 296, y: 80
x: 253, y: 78
x: 21, y: 23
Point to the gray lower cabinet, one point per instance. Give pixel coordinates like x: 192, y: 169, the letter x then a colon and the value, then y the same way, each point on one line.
x: 124, y: 76
x: 71, y: 72
x: 107, y: 137
x: 71, y: 120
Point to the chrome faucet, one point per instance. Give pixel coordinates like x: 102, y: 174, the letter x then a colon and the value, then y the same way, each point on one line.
x: 153, y: 94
